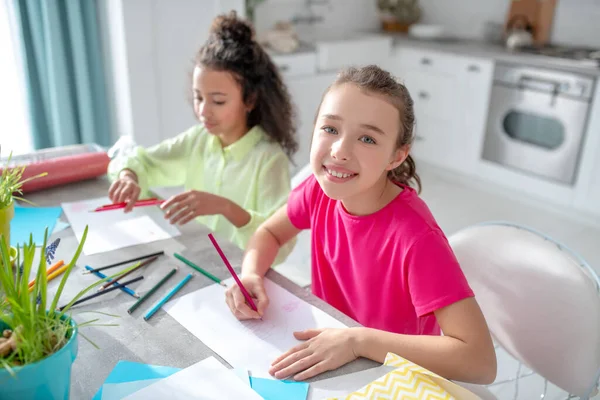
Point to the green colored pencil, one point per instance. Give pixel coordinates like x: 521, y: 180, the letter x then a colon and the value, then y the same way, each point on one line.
x: 197, y: 268
x: 154, y: 288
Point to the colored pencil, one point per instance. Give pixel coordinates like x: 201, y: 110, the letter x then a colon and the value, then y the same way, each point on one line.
x: 151, y: 291
x: 53, y: 275
x: 117, y: 286
x: 232, y: 272
x: 162, y: 301
x: 102, y: 276
x: 50, y: 270
x: 91, y: 271
x: 117, y: 206
x: 197, y: 268
x: 118, y: 278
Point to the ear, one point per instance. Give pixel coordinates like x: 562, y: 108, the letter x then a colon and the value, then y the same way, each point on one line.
x: 251, y: 103
x: 398, y: 158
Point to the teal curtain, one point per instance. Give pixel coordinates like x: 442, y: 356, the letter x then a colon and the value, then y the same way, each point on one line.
x: 64, y: 72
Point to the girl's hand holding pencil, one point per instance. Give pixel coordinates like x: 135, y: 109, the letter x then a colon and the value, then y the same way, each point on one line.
x: 237, y: 302
x: 125, y: 190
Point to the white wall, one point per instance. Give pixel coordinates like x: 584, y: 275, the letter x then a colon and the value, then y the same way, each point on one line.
x: 575, y: 21
x: 149, y: 47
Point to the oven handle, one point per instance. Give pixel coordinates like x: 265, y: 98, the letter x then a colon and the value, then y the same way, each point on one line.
x: 524, y: 79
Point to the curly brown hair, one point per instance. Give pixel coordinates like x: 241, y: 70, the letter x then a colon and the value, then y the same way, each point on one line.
x: 376, y: 80
x: 231, y: 46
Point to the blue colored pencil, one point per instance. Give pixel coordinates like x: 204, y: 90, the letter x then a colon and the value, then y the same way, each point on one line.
x: 167, y: 297
x: 102, y: 276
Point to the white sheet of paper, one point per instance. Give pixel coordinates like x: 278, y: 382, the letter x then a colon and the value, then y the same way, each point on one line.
x: 242, y: 373
x: 112, y: 230
x: 343, y: 385
x: 248, y: 344
x: 118, y: 391
x: 207, y: 379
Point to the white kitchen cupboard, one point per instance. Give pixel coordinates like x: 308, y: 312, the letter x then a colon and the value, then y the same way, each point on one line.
x: 306, y: 92
x: 587, y: 187
x: 450, y: 95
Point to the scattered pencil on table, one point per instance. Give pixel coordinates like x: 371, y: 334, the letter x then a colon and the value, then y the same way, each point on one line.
x: 232, y: 272
x: 140, y: 264
x: 151, y: 291
x: 51, y: 276
x: 117, y: 286
x: 197, y: 268
x: 118, y: 206
x: 123, y: 288
x: 162, y: 302
x: 50, y: 270
x: 92, y: 270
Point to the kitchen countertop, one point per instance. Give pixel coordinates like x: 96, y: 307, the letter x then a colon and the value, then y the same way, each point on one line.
x: 466, y: 47
x: 496, y: 52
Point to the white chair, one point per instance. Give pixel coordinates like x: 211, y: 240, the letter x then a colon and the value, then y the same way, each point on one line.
x: 541, y: 302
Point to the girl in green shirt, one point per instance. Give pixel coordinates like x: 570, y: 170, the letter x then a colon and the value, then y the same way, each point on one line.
x: 235, y: 164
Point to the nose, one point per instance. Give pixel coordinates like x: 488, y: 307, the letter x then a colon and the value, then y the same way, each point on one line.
x: 204, y: 109
x: 341, y: 149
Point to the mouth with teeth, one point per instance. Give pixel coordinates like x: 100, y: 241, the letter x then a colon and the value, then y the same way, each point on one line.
x: 337, y: 175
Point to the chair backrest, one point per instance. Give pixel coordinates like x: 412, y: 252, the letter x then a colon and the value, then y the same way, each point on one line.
x: 540, y: 300
x: 301, y: 175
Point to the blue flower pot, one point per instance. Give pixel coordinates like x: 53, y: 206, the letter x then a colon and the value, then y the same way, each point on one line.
x: 49, y: 378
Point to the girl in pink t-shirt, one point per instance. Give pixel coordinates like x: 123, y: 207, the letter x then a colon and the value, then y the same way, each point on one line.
x: 377, y: 253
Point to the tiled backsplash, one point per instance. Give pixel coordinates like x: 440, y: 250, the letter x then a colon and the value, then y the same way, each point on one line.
x: 575, y: 21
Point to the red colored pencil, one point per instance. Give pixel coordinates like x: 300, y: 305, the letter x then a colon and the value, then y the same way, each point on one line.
x: 140, y: 203
x: 232, y: 272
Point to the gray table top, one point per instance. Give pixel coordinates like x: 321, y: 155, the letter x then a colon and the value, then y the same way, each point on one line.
x: 161, y: 340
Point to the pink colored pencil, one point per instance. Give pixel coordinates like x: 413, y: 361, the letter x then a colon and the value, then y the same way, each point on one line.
x: 232, y: 272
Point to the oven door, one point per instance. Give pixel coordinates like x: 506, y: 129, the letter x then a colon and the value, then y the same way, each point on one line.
x: 534, y: 131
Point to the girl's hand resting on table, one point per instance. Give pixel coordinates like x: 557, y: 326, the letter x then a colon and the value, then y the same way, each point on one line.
x: 323, y: 350
x: 237, y: 302
x: 125, y: 190
x: 184, y: 207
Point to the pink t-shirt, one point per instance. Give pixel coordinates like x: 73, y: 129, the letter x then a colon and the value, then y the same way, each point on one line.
x: 388, y: 270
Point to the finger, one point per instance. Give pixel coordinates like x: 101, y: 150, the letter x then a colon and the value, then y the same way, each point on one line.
x: 301, y: 365
x: 176, y: 208
x: 315, y: 370
x: 174, y: 200
x: 307, y: 334
x: 184, y: 213
x: 132, y: 198
x: 187, y: 218
x: 289, y: 360
x: 234, y: 311
x: 114, y: 188
x: 240, y: 305
x: 296, y: 348
x: 262, y: 301
x: 118, y: 194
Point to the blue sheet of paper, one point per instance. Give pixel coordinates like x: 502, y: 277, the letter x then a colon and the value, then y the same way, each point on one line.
x: 271, y: 389
x: 128, y: 371
x: 32, y: 220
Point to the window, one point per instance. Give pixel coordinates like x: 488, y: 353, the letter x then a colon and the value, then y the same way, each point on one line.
x: 15, y: 132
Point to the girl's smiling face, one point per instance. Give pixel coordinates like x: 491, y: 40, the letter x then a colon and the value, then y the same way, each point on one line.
x: 354, y: 144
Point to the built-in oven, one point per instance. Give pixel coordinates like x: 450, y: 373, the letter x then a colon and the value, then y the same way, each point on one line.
x: 537, y: 121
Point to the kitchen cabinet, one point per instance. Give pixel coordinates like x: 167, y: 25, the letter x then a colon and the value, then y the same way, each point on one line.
x: 451, y: 96
x: 587, y: 187
x: 306, y: 92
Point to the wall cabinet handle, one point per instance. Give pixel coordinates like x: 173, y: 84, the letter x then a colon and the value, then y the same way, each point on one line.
x: 423, y: 95
x: 425, y: 61
x: 473, y: 68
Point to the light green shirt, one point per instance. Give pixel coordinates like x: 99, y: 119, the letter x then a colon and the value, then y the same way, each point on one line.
x: 253, y: 172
